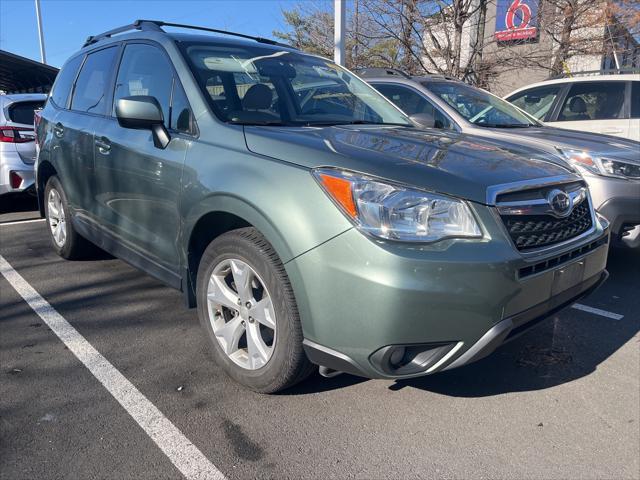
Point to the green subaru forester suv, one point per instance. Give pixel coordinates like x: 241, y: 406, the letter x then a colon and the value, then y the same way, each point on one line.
x: 307, y: 218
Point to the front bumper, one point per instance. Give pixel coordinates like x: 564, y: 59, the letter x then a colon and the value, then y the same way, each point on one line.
x: 359, y: 298
x: 624, y: 215
x: 619, y: 201
x: 512, y: 327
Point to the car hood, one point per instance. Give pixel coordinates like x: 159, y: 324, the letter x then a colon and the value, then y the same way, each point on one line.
x: 549, y: 139
x: 456, y: 164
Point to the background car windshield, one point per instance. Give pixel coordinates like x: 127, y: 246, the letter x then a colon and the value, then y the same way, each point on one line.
x: 536, y: 102
x: 478, y: 106
x: 261, y: 86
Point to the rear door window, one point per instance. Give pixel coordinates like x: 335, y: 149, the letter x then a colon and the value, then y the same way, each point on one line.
x: 537, y: 102
x: 92, y: 86
x: 22, y: 112
x: 64, y: 82
x: 145, y: 70
x: 594, y: 101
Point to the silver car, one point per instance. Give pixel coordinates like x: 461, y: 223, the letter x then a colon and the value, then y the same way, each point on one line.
x: 17, y: 145
x: 610, y: 165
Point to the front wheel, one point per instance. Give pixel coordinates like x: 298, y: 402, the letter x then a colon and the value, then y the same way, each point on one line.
x: 246, y: 304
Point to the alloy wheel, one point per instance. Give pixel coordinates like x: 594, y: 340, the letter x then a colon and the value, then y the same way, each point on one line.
x: 57, y: 219
x: 241, y: 314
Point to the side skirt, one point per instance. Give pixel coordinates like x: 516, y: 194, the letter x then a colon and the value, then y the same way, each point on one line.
x: 109, y: 243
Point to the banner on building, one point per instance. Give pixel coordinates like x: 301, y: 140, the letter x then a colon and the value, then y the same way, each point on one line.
x: 516, y: 20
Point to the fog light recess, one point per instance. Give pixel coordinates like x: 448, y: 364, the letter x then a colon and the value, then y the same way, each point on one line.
x: 15, y: 180
x: 401, y: 360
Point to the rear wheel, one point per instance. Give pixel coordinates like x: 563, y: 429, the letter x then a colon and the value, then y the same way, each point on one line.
x: 65, y: 240
x: 246, y: 304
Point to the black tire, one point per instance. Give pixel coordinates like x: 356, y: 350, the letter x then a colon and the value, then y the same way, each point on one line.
x: 288, y: 363
x: 74, y: 247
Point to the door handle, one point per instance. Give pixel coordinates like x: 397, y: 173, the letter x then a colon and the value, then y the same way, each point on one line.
x: 612, y: 130
x: 103, y: 144
x: 58, y: 130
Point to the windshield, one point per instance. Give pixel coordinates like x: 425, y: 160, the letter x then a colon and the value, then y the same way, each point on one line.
x: 262, y: 86
x: 480, y: 107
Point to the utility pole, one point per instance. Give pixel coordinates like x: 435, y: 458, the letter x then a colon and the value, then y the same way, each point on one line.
x: 475, y: 71
x: 356, y: 59
x: 613, y: 48
x: 43, y: 55
x: 339, y: 36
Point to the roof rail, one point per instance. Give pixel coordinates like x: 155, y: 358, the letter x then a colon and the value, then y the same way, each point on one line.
x: 380, y: 72
x: 593, y: 73
x: 155, y: 25
x: 137, y: 25
x: 440, y: 76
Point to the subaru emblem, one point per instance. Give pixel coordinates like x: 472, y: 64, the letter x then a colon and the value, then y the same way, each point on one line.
x: 560, y: 203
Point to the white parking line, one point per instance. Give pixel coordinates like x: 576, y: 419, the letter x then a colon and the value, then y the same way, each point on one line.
x: 597, y: 311
x: 182, y: 453
x: 19, y: 222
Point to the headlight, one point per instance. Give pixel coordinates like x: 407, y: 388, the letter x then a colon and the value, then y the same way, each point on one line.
x: 395, y: 212
x: 598, y: 165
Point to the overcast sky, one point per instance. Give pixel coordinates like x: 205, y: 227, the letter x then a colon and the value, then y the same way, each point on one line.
x: 67, y: 23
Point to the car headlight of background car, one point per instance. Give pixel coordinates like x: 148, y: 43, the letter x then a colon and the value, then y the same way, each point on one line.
x: 395, y: 212
x: 597, y: 164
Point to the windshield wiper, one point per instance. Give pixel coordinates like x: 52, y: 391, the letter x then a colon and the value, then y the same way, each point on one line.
x: 276, y: 123
x: 352, y: 122
x: 505, y: 125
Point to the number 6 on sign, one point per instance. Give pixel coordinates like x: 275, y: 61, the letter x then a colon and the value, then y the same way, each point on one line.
x: 516, y: 20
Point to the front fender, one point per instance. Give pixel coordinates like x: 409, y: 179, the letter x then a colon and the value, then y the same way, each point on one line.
x: 281, y: 200
x: 228, y: 203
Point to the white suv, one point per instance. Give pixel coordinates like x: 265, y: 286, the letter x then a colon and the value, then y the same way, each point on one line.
x: 608, y: 104
x: 17, y: 145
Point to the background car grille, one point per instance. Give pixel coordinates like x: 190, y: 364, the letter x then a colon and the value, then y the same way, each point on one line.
x: 534, y: 231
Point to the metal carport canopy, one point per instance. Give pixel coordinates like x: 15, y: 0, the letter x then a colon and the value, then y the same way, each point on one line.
x: 23, y: 75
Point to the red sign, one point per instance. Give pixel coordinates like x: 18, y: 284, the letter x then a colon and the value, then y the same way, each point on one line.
x: 516, y: 20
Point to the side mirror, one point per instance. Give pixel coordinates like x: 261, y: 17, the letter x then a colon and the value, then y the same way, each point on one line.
x: 143, y: 112
x: 423, y: 120
x: 531, y: 99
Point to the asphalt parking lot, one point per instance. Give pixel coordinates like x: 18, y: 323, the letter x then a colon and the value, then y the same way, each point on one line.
x: 560, y: 402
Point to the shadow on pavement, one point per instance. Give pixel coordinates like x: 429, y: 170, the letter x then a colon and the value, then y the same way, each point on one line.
x: 23, y: 202
x: 318, y: 384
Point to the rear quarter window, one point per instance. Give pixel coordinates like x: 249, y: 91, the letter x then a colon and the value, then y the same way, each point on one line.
x: 22, y: 112
x: 64, y: 82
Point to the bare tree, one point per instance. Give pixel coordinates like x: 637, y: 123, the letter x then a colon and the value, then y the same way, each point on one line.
x: 577, y: 27
x: 417, y: 36
x: 449, y: 36
x: 430, y: 33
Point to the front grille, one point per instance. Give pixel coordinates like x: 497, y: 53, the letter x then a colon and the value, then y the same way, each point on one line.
x: 554, y: 262
x: 535, y: 231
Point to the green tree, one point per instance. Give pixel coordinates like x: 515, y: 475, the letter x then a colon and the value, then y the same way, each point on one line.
x: 309, y: 27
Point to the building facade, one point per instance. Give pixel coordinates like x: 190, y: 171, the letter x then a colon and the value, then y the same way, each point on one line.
x: 508, y: 44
